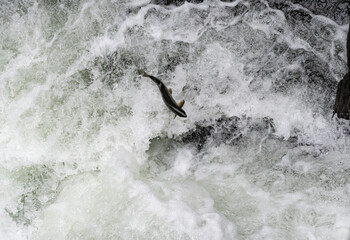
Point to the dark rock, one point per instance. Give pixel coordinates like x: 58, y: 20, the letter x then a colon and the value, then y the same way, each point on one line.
x: 341, y: 106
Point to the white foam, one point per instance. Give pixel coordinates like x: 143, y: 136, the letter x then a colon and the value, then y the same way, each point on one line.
x: 183, y: 162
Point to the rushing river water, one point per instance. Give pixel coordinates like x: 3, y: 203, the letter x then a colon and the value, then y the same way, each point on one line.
x: 88, y: 149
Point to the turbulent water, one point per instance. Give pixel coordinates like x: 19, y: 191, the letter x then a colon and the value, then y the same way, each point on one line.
x: 88, y: 150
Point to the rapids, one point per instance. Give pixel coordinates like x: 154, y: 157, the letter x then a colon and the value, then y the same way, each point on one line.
x: 88, y: 149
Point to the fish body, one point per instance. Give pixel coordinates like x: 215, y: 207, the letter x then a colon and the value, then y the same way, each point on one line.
x: 167, y: 97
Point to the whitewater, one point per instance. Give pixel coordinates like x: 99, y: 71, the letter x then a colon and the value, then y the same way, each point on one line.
x: 88, y: 149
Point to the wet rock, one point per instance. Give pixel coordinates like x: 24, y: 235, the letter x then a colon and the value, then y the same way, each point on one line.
x: 341, y: 106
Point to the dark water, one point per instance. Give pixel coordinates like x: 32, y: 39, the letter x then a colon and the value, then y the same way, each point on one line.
x: 336, y: 10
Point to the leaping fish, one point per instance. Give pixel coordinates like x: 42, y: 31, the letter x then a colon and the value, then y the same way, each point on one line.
x: 167, y: 97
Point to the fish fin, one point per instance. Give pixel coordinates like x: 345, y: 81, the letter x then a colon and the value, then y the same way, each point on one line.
x: 171, y: 91
x: 333, y: 114
x: 174, y: 116
x: 181, y: 103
